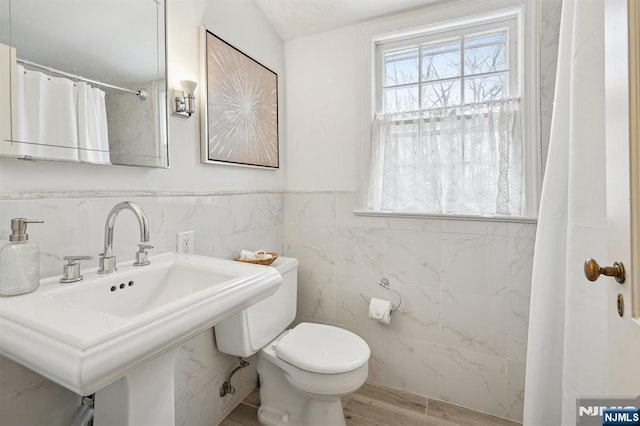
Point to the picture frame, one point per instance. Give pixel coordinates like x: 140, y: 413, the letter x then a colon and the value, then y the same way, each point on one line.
x: 239, y: 107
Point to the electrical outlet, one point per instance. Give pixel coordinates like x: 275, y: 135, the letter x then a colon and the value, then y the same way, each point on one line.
x: 185, y: 242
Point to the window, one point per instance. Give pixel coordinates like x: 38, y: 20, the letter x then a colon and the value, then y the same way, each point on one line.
x: 448, y: 132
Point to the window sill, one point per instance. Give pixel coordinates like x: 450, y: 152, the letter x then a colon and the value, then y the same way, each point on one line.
x: 420, y: 215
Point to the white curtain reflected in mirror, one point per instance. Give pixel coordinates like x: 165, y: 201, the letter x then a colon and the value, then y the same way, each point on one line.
x: 59, y: 119
x: 87, y: 81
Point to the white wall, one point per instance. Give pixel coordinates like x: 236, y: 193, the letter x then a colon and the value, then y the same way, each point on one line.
x: 324, y: 85
x: 239, y: 22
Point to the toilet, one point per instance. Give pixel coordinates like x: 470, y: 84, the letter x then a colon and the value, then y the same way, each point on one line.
x: 304, y: 371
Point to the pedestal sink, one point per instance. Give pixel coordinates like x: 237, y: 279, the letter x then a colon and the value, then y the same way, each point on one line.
x: 116, y: 335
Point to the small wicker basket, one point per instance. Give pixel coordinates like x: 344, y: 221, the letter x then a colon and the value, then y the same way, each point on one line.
x: 265, y: 262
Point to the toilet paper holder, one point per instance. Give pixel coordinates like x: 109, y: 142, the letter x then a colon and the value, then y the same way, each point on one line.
x: 385, y: 283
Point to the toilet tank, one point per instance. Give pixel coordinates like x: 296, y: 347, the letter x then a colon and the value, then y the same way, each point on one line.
x: 249, y: 330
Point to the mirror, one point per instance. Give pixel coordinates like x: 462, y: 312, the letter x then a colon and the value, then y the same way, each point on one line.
x: 86, y: 81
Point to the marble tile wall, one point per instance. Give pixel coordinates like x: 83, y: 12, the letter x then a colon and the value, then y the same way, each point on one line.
x: 133, y: 127
x: 460, y: 334
x: 74, y: 224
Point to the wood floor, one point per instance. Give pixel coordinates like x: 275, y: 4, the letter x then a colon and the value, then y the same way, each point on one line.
x: 377, y: 406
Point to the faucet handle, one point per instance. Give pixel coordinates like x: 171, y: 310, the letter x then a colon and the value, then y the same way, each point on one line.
x: 73, y: 259
x: 71, y: 271
x: 142, y: 257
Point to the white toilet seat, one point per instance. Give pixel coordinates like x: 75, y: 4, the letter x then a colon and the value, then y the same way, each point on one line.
x: 341, y: 368
x: 324, y: 349
x: 318, y: 384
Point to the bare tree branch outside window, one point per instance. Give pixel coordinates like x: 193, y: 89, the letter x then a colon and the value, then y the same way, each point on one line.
x: 452, y: 72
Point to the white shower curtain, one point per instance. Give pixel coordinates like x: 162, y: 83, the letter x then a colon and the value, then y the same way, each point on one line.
x: 56, y: 116
x: 93, y: 139
x: 47, y: 120
x: 567, y: 346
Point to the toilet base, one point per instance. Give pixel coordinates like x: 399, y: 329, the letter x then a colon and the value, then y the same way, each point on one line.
x: 329, y: 411
x: 282, y: 404
x: 314, y: 413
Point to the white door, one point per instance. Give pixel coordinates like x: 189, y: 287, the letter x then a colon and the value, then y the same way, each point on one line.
x: 624, y: 332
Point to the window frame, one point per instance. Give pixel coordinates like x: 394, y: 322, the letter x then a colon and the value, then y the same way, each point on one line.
x: 508, y: 24
x: 442, y: 18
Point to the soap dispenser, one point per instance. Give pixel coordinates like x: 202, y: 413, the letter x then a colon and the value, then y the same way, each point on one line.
x: 19, y: 261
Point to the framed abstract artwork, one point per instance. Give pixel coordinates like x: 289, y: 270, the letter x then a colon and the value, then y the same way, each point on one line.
x: 240, y: 107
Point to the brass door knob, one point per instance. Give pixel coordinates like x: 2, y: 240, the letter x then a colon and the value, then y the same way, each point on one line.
x: 592, y: 270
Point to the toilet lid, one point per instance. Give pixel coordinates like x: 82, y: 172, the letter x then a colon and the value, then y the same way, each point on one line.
x: 323, y: 349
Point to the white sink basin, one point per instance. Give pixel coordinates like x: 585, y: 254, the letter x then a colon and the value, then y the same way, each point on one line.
x: 144, y: 289
x: 89, y: 334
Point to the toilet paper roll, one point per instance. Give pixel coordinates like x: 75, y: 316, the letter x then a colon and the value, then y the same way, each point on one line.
x: 380, y: 310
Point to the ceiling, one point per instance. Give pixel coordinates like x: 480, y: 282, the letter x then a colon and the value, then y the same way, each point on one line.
x: 299, y: 18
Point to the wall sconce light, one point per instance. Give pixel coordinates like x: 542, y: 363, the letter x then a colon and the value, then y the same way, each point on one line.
x: 184, y: 101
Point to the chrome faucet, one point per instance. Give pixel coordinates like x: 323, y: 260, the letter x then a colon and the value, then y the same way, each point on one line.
x: 107, y: 258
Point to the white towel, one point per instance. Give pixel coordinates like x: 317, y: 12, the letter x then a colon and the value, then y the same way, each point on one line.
x: 247, y: 255
x: 255, y: 255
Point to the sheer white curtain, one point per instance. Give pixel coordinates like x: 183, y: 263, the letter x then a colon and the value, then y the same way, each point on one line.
x: 567, y: 344
x: 465, y: 159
